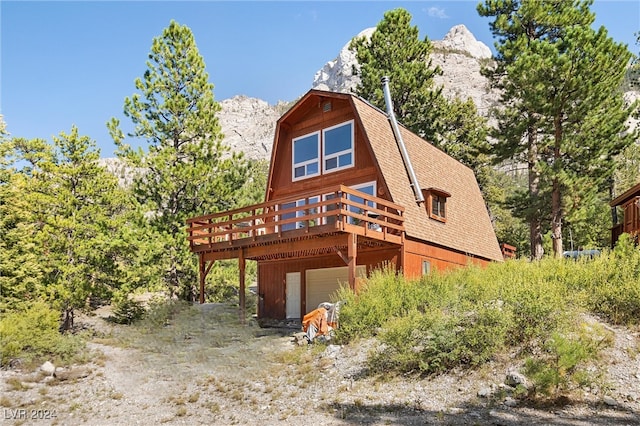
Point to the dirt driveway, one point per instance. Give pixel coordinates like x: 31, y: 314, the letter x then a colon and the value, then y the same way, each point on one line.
x: 205, y: 368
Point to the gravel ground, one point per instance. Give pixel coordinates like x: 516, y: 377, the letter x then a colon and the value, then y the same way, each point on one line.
x: 206, y: 369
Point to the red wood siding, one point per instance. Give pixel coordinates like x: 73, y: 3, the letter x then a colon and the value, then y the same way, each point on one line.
x: 272, y: 277
x: 441, y: 259
x: 315, y: 119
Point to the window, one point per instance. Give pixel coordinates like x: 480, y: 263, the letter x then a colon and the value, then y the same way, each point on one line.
x: 338, y: 147
x: 290, y: 215
x: 436, y: 203
x: 438, y: 206
x: 369, y: 189
x: 299, y: 213
x: 306, y: 156
x: 337, y: 151
x: 329, y: 208
x: 426, y: 267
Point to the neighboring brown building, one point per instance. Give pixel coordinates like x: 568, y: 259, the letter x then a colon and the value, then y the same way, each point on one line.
x: 630, y: 204
x: 342, y: 201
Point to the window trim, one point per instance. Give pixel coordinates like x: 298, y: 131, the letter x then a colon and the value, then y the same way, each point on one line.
x: 431, y: 194
x: 317, y: 159
x: 357, y: 187
x: 299, y: 212
x: 338, y: 154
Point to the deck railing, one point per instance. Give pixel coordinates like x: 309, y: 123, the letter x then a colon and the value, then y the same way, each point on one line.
x: 338, y: 208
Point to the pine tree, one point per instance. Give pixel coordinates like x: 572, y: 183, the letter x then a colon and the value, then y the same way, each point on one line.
x: 186, y: 169
x: 563, y: 109
x: 395, y: 50
x: 70, y: 231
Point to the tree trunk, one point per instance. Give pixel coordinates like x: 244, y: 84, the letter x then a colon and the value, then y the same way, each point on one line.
x: 67, y: 320
x: 556, y: 219
x: 556, y: 194
x: 535, y: 223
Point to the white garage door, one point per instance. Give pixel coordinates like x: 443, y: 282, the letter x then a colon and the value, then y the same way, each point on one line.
x: 322, y: 284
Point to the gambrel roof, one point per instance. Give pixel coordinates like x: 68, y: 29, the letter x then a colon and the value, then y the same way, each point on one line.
x: 468, y: 228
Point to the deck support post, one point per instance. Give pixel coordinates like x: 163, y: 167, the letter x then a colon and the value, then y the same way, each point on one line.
x: 202, y: 275
x: 352, y: 253
x: 204, y: 271
x: 242, y: 267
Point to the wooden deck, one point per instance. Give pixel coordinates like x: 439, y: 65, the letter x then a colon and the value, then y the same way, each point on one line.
x: 297, y: 227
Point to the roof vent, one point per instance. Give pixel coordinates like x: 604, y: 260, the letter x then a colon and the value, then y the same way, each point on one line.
x: 417, y: 192
x: 326, y: 107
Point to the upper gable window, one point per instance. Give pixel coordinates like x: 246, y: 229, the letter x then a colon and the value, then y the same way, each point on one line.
x: 306, y: 156
x: 338, y: 147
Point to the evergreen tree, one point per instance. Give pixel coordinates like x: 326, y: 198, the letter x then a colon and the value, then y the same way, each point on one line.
x: 186, y: 170
x: 70, y: 231
x: 21, y: 256
x: 563, y: 109
x: 395, y: 50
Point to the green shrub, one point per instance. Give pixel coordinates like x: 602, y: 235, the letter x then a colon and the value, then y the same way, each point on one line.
x: 161, y: 310
x: 126, y: 310
x: 462, y: 317
x: 438, y: 340
x: 32, y: 334
x: 382, y: 296
x: 386, y: 294
x: 557, y: 370
x: 614, y: 293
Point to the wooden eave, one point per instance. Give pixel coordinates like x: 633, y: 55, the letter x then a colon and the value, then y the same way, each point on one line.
x: 626, y: 196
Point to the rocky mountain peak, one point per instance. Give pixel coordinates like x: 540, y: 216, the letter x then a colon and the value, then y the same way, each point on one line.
x: 460, y: 39
x: 337, y: 75
x: 458, y: 54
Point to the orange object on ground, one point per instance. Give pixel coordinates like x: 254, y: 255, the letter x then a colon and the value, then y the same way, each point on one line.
x: 317, y: 318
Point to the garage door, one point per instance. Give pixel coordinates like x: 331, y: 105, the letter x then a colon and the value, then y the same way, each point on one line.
x: 323, y: 283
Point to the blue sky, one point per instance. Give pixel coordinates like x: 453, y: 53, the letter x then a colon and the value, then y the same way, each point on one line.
x: 66, y: 63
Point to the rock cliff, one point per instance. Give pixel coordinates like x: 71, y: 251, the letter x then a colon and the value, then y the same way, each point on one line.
x: 249, y: 123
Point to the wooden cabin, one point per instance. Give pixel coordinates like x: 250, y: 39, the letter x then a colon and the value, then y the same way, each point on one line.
x: 341, y: 202
x: 629, y: 202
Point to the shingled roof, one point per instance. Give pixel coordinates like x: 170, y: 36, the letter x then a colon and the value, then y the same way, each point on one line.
x: 468, y: 228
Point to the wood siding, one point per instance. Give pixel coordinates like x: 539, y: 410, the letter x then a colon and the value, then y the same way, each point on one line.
x: 440, y: 259
x: 272, y: 277
x: 364, y: 170
x: 298, y: 228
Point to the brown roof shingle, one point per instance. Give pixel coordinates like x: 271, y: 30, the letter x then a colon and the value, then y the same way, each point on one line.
x: 468, y: 228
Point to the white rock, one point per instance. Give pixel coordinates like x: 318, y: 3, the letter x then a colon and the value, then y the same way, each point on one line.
x: 337, y: 74
x: 510, y: 402
x: 461, y: 39
x: 484, y: 392
x: 48, y: 368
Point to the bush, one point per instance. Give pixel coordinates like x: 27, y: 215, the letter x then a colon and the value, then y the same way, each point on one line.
x: 386, y: 295
x: 161, y: 310
x: 462, y: 317
x: 127, y: 310
x: 436, y: 341
x: 32, y: 334
x: 614, y: 293
x: 557, y: 370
